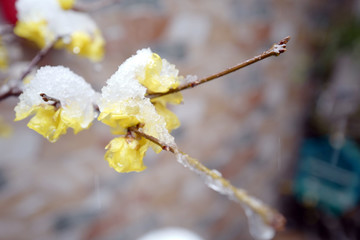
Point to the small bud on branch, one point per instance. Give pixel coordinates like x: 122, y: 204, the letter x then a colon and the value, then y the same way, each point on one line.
x: 55, y: 102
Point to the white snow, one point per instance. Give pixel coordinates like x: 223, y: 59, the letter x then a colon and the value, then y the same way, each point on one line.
x: 60, y: 22
x: 125, y: 92
x: 74, y: 93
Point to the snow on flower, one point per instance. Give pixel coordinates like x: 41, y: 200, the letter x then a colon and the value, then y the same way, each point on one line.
x: 43, y: 21
x: 124, y: 104
x: 68, y: 102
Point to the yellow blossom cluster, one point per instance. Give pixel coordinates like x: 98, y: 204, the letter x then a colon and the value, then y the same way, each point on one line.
x: 43, y: 21
x: 124, y: 104
x: 60, y: 99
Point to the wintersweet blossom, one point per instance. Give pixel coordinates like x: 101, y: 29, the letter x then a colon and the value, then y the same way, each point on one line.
x: 160, y: 76
x: 124, y: 104
x: 126, y: 154
x: 68, y: 102
x: 43, y: 21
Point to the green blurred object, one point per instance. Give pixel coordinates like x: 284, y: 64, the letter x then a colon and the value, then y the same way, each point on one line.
x: 328, y: 178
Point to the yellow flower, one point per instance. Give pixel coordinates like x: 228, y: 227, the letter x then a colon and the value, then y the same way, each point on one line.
x: 86, y: 45
x: 36, y: 31
x: 42, y: 21
x: 69, y: 102
x: 126, y: 155
x: 120, y: 116
x: 124, y: 104
x: 47, y: 122
x: 161, y: 76
x: 172, y: 121
x: 66, y: 4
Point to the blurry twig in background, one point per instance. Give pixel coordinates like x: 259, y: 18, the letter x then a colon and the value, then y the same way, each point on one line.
x: 94, y: 6
x: 12, y: 87
x: 6, y: 29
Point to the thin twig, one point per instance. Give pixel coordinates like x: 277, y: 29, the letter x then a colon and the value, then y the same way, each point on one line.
x: 43, y: 52
x: 94, y: 6
x: 6, y: 29
x: 15, y: 90
x: 269, y: 215
x: 275, y: 50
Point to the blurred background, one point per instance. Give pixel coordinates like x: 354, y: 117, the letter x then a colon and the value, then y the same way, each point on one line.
x: 285, y: 129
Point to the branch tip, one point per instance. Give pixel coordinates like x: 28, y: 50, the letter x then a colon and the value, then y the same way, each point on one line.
x: 285, y: 40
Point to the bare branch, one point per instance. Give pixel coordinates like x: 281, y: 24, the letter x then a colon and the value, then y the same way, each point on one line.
x: 7, y: 91
x: 43, y: 52
x: 6, y: 29
x: 269, y: 215
x: 275, y: 50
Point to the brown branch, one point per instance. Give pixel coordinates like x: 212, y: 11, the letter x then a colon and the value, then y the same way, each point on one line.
x: 38, y: 57
x: 94, y: 6
x: 15, y: 90
x: 269, y: 215
x: 6, y: 29
x: 275, y: 50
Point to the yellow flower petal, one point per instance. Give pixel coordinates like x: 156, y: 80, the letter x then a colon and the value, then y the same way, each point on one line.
x: 126, y: 155
x: 156, y: 79
x: 34, y: 31
x: 84, y: 44
x: 50, y: 122
x: 47, y: 122
x: 172, y: 121
x: 119, y: 117
x: 66, y: 4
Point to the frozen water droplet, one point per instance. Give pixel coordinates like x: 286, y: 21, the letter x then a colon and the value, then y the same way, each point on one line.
x: 76, y: 50
x: 216, y: 184
x: 190, y: 79
x: 259, y: 230
x: 182, y: 158
x: 216, y: 172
